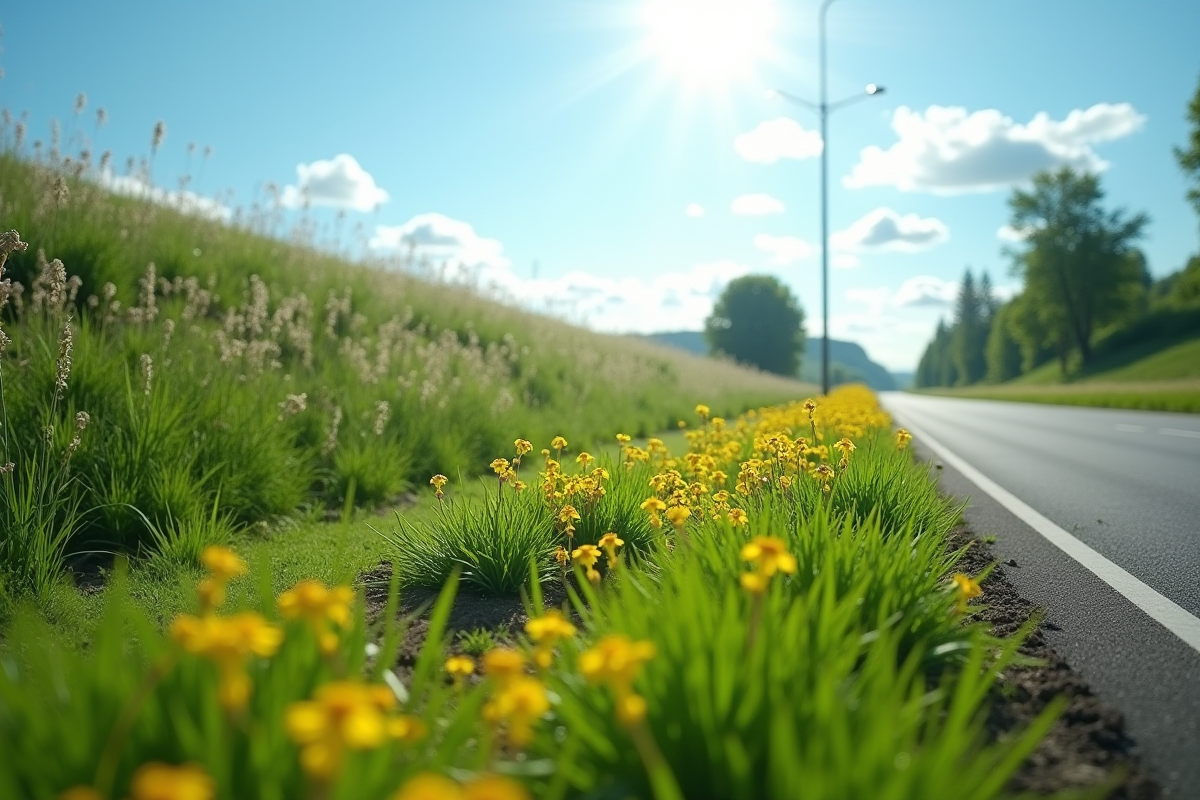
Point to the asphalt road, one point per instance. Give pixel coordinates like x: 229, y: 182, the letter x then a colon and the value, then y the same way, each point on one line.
x: 1127, y: 484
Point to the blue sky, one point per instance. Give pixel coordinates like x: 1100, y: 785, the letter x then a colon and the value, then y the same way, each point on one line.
x: 493, y: 134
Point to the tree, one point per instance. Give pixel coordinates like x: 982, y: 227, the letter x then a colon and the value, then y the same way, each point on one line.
x: 969, y: 337
x: 936, y: 367
x: 758, y: 321
x: 1076, y: 262
x: 1189, y: 157
x: 1003, y: 350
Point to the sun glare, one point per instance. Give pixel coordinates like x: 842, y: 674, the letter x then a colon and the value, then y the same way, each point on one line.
x: 709, y: 41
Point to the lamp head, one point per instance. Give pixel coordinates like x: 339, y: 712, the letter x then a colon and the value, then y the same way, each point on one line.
x: 874, y: 89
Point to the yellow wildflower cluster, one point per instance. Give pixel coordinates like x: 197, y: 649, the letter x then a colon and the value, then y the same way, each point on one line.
x: 519, y: 700
x: 343, y: 716
x: 545, y: 632
x: 320, y: 607
x: 616, y: 661
x: 431, y: 786
x: 767, y: 556
x: 227, y: 641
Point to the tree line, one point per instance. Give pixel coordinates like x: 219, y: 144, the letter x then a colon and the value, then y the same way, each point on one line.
x: 1086, y: 287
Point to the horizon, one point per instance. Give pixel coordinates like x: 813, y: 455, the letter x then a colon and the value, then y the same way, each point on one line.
x: 620, y: 159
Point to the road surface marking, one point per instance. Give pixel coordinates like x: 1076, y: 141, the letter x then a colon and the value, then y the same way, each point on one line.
x: 1179, y: 432
x: 1161, y: 609
x: 1130, y: 428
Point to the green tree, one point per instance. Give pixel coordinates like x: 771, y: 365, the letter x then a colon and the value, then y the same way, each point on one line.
x: 1003, y: 351
x: 1189, y: 156
x: 936, y: 367
x: 1075, y: 263
x: 969, y: 337
x: 758, y: 321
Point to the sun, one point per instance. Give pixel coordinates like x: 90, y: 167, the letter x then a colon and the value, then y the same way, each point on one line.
x: 709, y: 41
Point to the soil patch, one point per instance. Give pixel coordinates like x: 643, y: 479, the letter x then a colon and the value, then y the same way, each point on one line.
x: 1088, y: 746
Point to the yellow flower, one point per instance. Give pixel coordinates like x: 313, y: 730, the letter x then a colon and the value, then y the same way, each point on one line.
x: 211, y: 593
x: 903, y: 437
x: 678, y: 515
x: 438, y: 482
x: 615, y: 659
x: 610, y: 542
x: 428, y: 786
x: 406, y: 729
x: 702, y: 411
x: 503, y: 664
x: 737, y: 517
x: 769, y: 555
x: 550, y: 627
x: 344, y: 715
x: 623, y: 438
x: 967, y: 589
x: 499, y: 465
x: 522, y: 446
x: 520, y: 702
x: 631, y: 708
x: 460, y: 666
x: 568, y: 514
x: 810, y: 407
x: 586, y: 555
x: 653, y: 504
x: 317, y: 605
x: 583, y: 459
x: 158, y: 781
x: 755, y: 582
x: 558, y: 443
x: 228, y: 642
x: 222, y: 563
x: 845, y: 446
x: 495, y: 787
x: 561, y: 555
x: 823, y: 473
x: 682, y: 424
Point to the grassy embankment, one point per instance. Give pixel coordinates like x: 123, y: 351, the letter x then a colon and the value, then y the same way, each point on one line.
x: 1156, y: 375
x: 776, y: 608
x: 172, y: 382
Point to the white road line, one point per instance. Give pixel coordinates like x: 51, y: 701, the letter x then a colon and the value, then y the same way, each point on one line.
x: 1129, y: 428
x: 1179, y: 432
x: 1161, y: 609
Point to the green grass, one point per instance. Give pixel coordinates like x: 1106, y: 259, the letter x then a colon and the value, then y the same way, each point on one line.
x: 1157, y: 375
x: 856, y: 673
x: 233, y: 372
x: 1182, y: 396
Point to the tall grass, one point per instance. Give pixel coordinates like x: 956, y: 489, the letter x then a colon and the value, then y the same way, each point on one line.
x: 224, y: 368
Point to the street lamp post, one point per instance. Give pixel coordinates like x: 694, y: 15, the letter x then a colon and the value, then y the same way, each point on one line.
x: 824, y: 109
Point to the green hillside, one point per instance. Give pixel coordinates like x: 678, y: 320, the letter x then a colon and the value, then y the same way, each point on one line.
x: 849, y: 363
x: 1156, y: 375
x: 172, y: 380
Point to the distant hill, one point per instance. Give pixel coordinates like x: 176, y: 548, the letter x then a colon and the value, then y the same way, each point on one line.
x: 848, y: 362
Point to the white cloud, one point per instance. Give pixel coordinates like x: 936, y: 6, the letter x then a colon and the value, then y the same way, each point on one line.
x: 694, y: 210
x: 183, y: 201
x: 925, y: 290
x: 779, y: 138
x: 1007, y: 233
x: 845, y: 261
x: 756, y: 205
x: 339, y: 182
x: 885, y: 230
x: 947, y: 150
x: 784, y: 249
x: 679, y: 300
x: 451, y: 244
